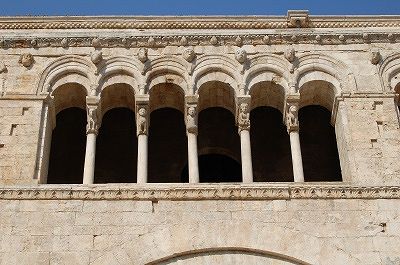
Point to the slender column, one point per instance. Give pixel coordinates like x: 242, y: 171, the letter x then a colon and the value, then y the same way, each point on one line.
x: 91, y: 134
x: 142, y: 123
x: 292, y: 123
x: 245, y: 145
x: 191, y: 131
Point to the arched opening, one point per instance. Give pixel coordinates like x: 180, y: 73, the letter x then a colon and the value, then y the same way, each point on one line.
x: 68, y: 141
x: 167, y: 134
x: 318, y: 145
x: 218, y: 138
x: 270, y: 146
x: 116, y: 145
x: 397, y: 90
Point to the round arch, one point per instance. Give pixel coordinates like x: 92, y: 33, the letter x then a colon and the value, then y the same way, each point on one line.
x: 389, y: 72
x: 64, y: 69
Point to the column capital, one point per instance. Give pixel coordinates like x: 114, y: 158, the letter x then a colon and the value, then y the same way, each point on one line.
x: 142, y: 114
x: 243, y: 112
x: 93, y: 114
x: 191, y: 113
x: 291, y: 112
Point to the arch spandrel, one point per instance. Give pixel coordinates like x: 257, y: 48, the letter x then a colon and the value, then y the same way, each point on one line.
x: 63, y: 68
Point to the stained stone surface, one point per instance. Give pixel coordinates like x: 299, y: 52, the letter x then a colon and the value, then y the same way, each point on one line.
x: 349, y: 65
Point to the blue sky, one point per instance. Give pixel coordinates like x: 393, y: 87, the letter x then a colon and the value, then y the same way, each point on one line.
x: 196, y: 7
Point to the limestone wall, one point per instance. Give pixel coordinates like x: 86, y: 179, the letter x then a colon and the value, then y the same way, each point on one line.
x: 297, y: 231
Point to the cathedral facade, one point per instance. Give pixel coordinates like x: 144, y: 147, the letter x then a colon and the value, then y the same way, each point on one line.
x: 200, y: 140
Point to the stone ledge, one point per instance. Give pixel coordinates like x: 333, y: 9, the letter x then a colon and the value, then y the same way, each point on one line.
x: 183, y: 192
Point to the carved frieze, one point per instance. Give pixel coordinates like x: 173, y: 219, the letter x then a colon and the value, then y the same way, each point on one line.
x: 196, y: 192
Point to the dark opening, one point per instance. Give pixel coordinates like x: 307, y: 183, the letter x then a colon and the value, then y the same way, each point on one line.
x: 116, y: 147
x: 270, y: 146
x: 167, y: 145
x: 68, y: 144
x: 219, y: 146
x: 318, y: 145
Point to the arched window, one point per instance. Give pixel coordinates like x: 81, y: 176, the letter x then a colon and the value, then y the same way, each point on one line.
x: 67, y: 151
x: 218, y: 138
x: 270, y: 145
x: 167, y: 134
x: 116, y: 145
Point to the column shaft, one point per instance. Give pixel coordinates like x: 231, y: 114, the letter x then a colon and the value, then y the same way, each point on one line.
x: 297, y: 161
x: 90, y: 155
x: 142, y: 159
x: 193, y: 163
x: 247, y: 168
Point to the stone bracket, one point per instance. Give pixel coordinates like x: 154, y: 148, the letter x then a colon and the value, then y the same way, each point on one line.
x: 297, y: 18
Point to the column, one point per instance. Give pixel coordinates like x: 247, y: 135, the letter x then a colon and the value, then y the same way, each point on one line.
x: 92, y: 129
x: 245, y: 144
x: 191, y: 132
x: 142, y: 123
x: 292, y: 123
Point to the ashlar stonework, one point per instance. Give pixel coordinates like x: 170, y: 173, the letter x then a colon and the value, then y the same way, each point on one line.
x: 113, y: 129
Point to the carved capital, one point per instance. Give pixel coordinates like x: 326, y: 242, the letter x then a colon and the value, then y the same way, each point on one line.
x: 142, y: 115
x: 191, y: 112
x: 243, y: 113
x: 291, y: 118
x: 93, y: 115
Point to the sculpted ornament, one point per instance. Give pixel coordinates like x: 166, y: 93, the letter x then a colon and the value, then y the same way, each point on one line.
x: 292, y: 121
x: 240, y: 55
x: 26, y: 59
x: 151, y: 42
x: 64, y: 42
x: 244, y: 117
x: 92, y: 120
x: 142, y: 121
x: 142, y: 55
x: 96, y: 57
x: 290, y: 55
x: 191, y: 120
x: 188, y: 54
x: 375, y: 57
x: 183, y: 41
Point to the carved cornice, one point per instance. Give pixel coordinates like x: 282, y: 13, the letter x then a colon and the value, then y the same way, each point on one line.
x: 199, y: 192
x: 133, y: 41
x: 193, y: 22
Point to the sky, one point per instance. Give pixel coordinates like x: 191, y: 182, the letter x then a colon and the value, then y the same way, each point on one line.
x: 196, y: 7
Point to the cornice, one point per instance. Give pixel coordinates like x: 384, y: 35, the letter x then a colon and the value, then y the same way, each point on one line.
x: 199, y: 192
x: 193, y: 22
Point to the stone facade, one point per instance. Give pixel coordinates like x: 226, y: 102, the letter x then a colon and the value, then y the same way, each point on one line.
x: 348, y: 65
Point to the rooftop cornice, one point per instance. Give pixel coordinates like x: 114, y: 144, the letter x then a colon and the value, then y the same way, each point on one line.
x: 194, y: 22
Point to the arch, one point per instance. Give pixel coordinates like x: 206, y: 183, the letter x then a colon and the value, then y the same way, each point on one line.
x: 69, y: 95
x: 119, y: 69
x: 269, y: 94
x: 217, y: 94
x: 168, y: 69
x: 69, y: 67
x: 267, y: 68
x: 323, y: 67
x: 117, y: 95
x: 317, y: 92
x: 389, y: 72
x: 187, y: 255
x: 216, y: 68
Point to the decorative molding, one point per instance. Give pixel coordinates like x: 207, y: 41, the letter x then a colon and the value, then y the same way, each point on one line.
x: 199, y: 192
x: 133, y: 41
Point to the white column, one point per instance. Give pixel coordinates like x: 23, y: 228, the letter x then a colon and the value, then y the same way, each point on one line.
x: 297, y: 161
x: 142, y: 123
x: 292, y: 124
x: 245, y: 145
x: 91, y: 135
x: 247, y: 167
x: 191, y: 132
x: 142, y: 159
x: 90, y: 155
